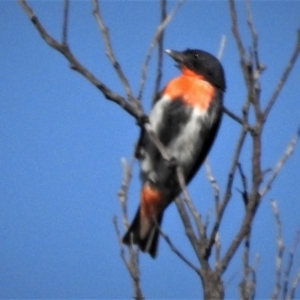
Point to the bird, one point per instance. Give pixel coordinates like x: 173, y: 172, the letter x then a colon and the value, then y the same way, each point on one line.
x: 185, y: 118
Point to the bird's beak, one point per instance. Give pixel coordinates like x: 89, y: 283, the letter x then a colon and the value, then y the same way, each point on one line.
x: 179, y: 57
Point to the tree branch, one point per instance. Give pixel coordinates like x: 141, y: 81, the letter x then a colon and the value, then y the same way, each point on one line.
x: 132, y: 263
x: 155, y: 40
x: 235, y: 30
x: 110, y: 53
x: 280, y: 251
x: 64, y: 40
x: 288, y: 152
x: 131, y: 260
x: 284, y: 77
x: 77, y: 66
x: 289, y: 266
x: 177, y: 252
x: 160, y: 49
x: 227, y: 194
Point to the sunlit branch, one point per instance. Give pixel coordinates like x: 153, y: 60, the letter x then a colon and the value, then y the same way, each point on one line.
x: 160, y: 52
x: 161, y: 27
x: 177, y: 252
x: 77, y: 66
x: 235, y: 30
x: 244, y: 192
x: 110, y: 53
x: 248, y: 283
x: 65, y: 23
x: 289, y: 266
x: 284, y: 77
x: 288, y: 152
x: 280, y: 251
x: 227, y: 194
x: 214, y: 184
x: 131, y: 263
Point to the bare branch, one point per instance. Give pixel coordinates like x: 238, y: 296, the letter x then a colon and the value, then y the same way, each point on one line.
x: 218, y: 250
x: 227, y: 194
x: 132, y: 264
x: 190, y: 204
x: 77, y: 66
x: 243, y: 231
x: 247, y: 285
x: 259, y: 67
x: 153, y: 44
x: 48, y: 39
x: 289, y: 265
x: 295, y: 284
x: 255, y: 68
x: 177, y: 252
x: 221, y: 47
x: 280, y: 251
x: 235, y: 30
x: 65, y: 23
x: 245, y: 186
x: 232, y: 115
x: 160, y: 48
x: 186, y: 220
x: 110, y: 54
x: 226, y: 110
x: 288, y: 152
x: 214, y: 184
x: 284, y: 77
x: 123, y: 193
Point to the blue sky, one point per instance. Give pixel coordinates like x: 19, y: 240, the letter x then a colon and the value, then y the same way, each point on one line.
x: 62, y: 142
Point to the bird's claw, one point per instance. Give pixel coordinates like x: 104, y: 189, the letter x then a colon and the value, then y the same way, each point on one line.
x: 172, y: 163
x: 142, y: 120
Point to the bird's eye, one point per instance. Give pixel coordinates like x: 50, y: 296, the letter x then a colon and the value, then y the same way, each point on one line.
x: 196, y: 55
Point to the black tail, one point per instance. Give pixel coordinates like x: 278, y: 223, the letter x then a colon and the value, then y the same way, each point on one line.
x: 144, y: 232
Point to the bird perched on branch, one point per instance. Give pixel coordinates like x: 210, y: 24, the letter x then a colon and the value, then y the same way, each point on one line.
x: 185, y: 118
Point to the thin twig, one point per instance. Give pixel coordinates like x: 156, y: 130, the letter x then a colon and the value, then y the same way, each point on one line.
x: 280, y: 251
x: 78, y: 67
x: 132, y: 263
x: 259, y: 67
x: 245, y: 186
x: 284, y: 77
x: 232, y: 115
x: 65, y: 23
x: 247, y: 285
x: 227, y: 194
x: 294, y: 286
x: 110, y: 53
x: 190, y: 205
x: 189, y: 230
x: 242, y: 233
x: 177, y: 252
x: 290, y: 263
x: 217, y: 250
x: 235, y: 30
x: 256, y: 67
x: 221, y: 47
x: 161, y: 27
x: 288, y: 152
x: 123, y: 193
x: 214, y: 184
x: 160, y: 48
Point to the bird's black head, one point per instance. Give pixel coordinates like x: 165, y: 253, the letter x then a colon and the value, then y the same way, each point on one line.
x: 201, y: 63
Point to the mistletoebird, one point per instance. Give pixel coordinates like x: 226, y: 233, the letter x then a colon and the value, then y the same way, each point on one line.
x: 185, y: 118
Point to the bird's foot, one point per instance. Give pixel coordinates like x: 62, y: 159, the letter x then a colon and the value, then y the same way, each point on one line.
x: 142, y: 120
x: 172, y: 163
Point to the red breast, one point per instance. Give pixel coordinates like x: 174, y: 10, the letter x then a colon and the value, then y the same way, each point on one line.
x: 192, y: 88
